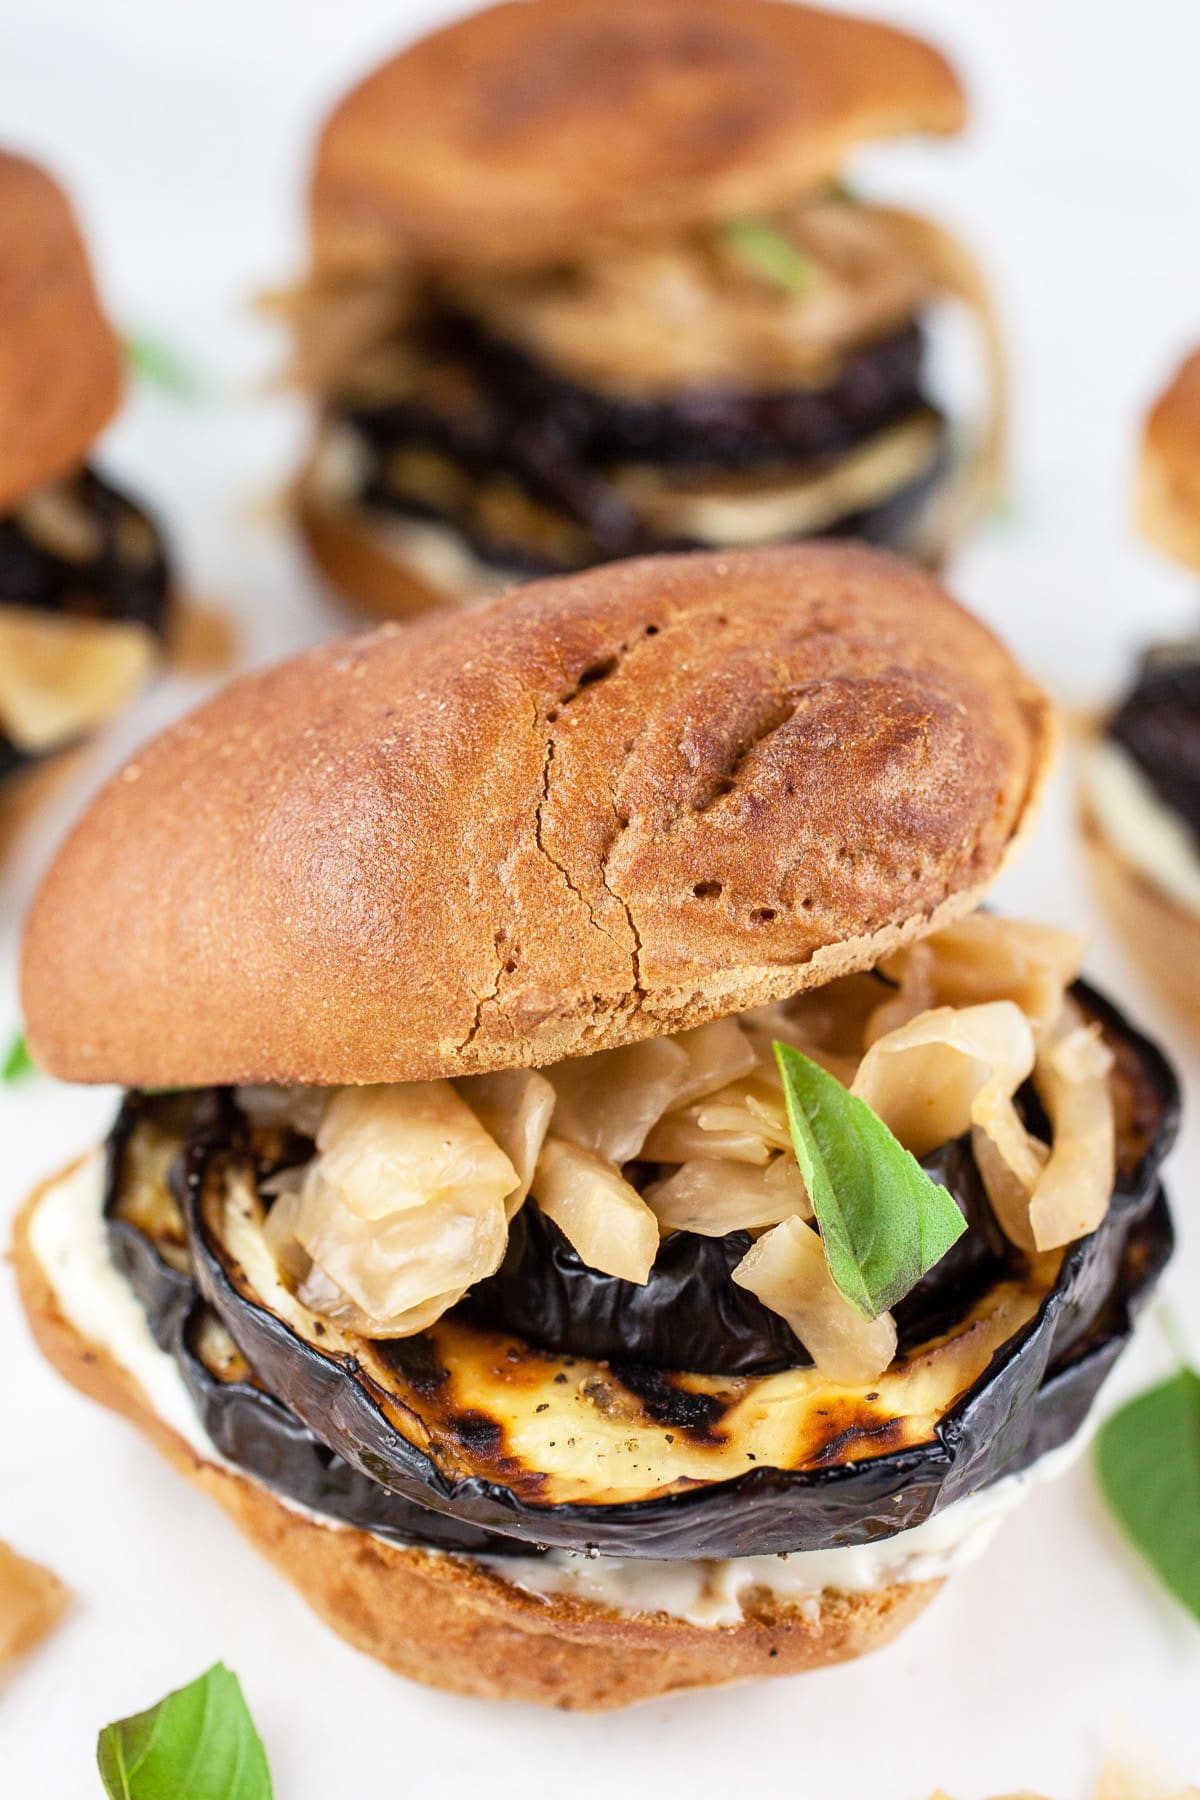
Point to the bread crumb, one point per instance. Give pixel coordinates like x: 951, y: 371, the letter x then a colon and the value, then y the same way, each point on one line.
x: 32, y: 1600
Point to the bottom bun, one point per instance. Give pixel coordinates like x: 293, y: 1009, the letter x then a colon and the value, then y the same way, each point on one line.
x: 362, y: 562
x: 400, y: 569
x: 1162, y: 936
x: 453, y: 1623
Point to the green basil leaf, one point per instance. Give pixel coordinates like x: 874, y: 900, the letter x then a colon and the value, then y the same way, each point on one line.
x: 18, y: 1064
x: 770, y: 253
x: 197, y: 1744
x: 154, y: 361
x: 1147, y: 1460
x: 884, y: 1223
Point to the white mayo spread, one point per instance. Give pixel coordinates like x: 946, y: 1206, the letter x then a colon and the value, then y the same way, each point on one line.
x: 1141, y: 828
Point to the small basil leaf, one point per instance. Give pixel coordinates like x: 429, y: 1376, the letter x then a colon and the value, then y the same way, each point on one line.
x: 883, y: 1222
x: 199, y: 1743
x: 766, y: 251
x: 154, y: 361
x: 1148, y: 1464
x: 18, y: 1064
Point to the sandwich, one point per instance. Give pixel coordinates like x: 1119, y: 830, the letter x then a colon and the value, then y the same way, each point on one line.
x: 1139, y: 763
x: 586, y: 283
x: 83, y: 574
x: 594, y: 1198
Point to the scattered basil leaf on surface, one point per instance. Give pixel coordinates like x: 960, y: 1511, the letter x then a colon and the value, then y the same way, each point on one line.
x: 1147, y: 1460
x: 770, y: 253
x: 198, y: 1743
x: 154, y: 361
x: 884, y: 1222
x: 18, y: 1064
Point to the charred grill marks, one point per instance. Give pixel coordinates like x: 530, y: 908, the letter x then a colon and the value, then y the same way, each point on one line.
x: 668, y: 1403
x: 461, y: 1478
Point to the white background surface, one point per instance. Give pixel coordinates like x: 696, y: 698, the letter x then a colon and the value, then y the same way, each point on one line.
x: 182, y: 131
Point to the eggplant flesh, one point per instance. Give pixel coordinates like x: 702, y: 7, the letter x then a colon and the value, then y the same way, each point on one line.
x: 109, y: 586
x: 248, y: 1426
x: 515, y: 422
x: 389, y: 1411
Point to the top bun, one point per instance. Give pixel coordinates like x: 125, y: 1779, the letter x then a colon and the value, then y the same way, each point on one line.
x: 525, y: 131
x: 1169, y: 478
x: 60, y: 365
x: 599, y: 809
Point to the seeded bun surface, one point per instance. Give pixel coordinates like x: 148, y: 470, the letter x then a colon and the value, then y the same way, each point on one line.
x: 521, y: 132
x: 592, y: 811
x: 60, y: 364
x: 1169, y: 477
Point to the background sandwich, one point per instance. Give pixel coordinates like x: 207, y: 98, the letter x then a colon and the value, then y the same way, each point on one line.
x: 585, y: 283
x: 83, y: 574
x: 1140, y: 767
x: 488, y: 1261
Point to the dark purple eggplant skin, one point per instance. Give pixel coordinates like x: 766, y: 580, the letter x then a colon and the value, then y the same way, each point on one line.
x: 547, y: 1295
x: 1030, y: 1399
x: 891, y: 523
x: 260, y: 1436
x: 249, y: 1426
x: 690, y: 1307
x: 106, y: 587
x: 1158, y: 725
x: 717, y: 425
x: 559, y: 441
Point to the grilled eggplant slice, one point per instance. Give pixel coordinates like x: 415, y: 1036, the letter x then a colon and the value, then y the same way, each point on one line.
x: 691, y: 1313
x: 478, y: 434
x: 106, y: 562
x: 249, y: 1426
x: 637, y: 1461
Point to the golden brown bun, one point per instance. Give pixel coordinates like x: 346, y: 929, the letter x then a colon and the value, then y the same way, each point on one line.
x: 60, y: 365
x: 452, y: 1623
x: 352, y: 559
x: 1169, y: 478
x: 591, y: 811
x: 1162, y: 936
x: 527, y: 130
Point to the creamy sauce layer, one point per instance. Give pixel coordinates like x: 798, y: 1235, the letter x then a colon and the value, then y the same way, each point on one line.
x: 1139, y: 826
x: 68, y: 1237
x: 711, y: 1592
x: 69, y: 1241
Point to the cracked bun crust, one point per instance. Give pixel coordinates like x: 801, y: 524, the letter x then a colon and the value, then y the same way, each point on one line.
x: 492, y: 141
x: 597, y: 810
x: 60, y: 365
x: 1169, y: 478
x: 455, y: 1624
